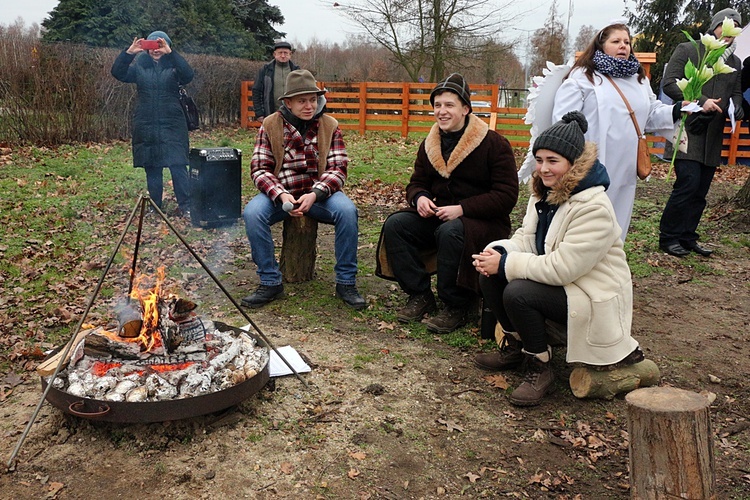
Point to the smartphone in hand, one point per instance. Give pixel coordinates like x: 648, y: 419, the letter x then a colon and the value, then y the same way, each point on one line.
x: 149, y: 44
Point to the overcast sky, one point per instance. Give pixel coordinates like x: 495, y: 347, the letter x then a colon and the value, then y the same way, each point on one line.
x: 306, y: 19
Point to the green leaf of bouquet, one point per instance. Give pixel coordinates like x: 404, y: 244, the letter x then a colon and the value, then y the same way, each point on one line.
x: 714, y: 56
x: 695, y: 44
x: 690, y: 70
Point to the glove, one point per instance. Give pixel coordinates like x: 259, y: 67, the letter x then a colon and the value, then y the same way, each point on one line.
x: 697, y: 123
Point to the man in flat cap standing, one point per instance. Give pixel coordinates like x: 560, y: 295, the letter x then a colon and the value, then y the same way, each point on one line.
x: 462, y: 190
x: 271, y: 82
x: 299, y: 165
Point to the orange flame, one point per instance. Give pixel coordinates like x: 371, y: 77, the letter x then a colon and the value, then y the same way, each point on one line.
x: 150, y: 337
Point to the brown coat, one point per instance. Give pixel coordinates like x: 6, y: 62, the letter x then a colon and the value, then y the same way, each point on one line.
x: 480, y: 175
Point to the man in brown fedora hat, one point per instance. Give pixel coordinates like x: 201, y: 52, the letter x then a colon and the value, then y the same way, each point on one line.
x: 271, y: 81
x: 299, y: 165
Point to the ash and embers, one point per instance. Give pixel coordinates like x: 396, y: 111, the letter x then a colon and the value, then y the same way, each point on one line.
x: 223, y: 360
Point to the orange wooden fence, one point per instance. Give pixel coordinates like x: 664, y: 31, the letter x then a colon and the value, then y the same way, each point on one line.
x: 405, y: 108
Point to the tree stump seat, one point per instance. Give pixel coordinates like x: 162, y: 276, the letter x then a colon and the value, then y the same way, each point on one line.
x: 298, y: 249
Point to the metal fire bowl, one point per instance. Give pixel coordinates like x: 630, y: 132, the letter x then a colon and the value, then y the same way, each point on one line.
x: 160, y: 411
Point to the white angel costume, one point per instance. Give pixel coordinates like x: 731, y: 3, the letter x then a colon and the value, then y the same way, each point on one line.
x: 611, y: 128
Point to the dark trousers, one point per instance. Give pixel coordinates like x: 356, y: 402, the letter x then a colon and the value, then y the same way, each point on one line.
x: 180, y: 181
x: 522, y: 306
x: 685, y: 206
x: 406, y: 234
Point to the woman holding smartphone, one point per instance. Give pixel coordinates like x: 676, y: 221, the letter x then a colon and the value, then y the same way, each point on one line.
x: 160, y: 134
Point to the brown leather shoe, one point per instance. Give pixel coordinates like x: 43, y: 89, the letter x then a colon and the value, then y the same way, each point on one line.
x: 509, y: 356
x: 416, y: 307
x: 447, y: 320
x: 538, y: 381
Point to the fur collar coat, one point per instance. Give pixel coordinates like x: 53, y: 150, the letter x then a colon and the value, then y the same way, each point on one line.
x: 480, y: 175
x: 584, y: 254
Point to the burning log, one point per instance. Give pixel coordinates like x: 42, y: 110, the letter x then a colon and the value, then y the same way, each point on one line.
x: 103, y: 346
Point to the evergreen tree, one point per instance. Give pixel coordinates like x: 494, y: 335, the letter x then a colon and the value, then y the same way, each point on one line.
x: 197, y: 26
x: 694, y: 16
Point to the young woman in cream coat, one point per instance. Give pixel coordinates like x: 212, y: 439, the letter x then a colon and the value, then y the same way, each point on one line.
x: 565, y: 263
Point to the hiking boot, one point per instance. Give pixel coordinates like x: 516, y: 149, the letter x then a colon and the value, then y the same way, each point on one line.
x: 509, y: 356
x: 263, y: 295
x: 447, y: 320
x: 350, y: 295
x: 538, y: 381
x: 416, y: 307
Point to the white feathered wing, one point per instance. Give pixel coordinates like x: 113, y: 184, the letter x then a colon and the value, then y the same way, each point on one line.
x: 541, y: 104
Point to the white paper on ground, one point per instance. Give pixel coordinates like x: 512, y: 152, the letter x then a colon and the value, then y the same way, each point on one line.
x: 277, y: 367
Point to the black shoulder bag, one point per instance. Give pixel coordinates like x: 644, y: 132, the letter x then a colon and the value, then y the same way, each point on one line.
x: 192, y: 116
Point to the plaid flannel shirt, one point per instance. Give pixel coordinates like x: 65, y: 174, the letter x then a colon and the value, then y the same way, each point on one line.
x: 299, y: 173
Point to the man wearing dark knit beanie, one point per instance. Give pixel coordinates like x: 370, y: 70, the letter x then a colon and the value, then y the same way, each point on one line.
x: 461, y: 193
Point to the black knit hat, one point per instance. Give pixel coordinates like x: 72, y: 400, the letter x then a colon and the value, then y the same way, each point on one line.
x: 564, y: 137
x: 455, y: 83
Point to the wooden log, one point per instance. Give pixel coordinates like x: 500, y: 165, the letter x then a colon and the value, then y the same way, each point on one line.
x: 98, y: 345
x: 298, y: 251
x: 48, y: 367
x: 588, y: 382
x: 670, y: 445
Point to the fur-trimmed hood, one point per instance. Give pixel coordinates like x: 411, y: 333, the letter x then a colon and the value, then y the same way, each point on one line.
x: 586, y: 172
x: 475, y: 132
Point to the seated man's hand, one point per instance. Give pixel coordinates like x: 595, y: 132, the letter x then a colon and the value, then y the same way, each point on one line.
x: 449, y: 212
x: 305, y: 201
x: 425, y: 207
x: 487, y: 262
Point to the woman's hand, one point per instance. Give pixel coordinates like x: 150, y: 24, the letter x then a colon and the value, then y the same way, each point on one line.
x: 135, y: 47
x: 164, y: 46
x: 487, y: 262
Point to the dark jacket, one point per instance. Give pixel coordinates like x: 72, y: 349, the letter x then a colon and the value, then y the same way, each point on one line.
x: 160, y: 134
x: 263, y: 89
x: 704, y: 148
x: 480, y: 175
x: 745, y: 85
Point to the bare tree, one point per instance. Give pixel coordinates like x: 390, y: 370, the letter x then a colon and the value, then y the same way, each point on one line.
x: 584, y: 38
x: 548, y: 43
x: 429, y: 35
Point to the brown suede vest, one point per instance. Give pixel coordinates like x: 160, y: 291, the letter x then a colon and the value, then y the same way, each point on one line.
x: 274, y: 127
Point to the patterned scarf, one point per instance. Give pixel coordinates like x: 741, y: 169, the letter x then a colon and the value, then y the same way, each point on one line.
x: 615, y: 67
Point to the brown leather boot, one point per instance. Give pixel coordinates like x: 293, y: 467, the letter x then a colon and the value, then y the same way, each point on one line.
x: 538, y: 381
x: 447, y: 320
x: 416, y: 307
x: 509, y: 356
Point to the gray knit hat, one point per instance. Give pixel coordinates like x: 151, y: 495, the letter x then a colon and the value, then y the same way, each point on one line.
x: 160, y: 34
x: 564, y: 137
x: 719, y: 18
x: 301, y: 81
x: 455, y: 83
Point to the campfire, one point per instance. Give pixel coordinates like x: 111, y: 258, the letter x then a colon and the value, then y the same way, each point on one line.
x: 159, y: 349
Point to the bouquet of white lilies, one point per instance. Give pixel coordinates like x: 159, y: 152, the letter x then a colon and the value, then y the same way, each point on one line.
x: 696, y: 77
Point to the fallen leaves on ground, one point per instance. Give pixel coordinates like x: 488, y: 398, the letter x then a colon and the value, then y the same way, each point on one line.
x: 498, y: 381
x: 450, y: 425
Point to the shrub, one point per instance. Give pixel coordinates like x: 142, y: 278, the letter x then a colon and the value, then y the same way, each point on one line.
x: 57, y: 93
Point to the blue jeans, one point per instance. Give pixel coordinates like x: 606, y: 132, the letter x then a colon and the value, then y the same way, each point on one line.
x: 261, y: 213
